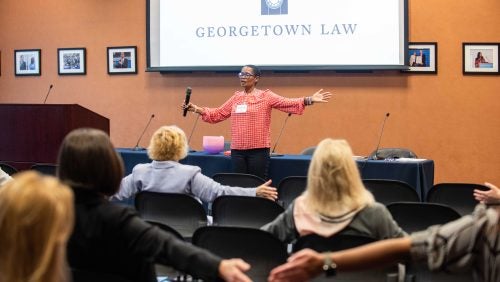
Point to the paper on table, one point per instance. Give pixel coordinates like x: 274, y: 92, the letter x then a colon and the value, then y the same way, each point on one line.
x: 410, y: 160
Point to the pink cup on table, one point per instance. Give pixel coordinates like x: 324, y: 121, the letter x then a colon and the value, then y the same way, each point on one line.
x: 213, y: 144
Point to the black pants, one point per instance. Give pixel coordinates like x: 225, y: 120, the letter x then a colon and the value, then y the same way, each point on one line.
x: 252, y: 161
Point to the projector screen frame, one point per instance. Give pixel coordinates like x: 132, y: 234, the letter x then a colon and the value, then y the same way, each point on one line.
x: 341, y: 68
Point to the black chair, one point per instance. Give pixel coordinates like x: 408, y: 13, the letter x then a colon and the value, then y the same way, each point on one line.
x: 308, y: 150
x: 243, y: 211
x: 392, y: 153
x: 412, y: 216
x: 48, y: 169
x: 238, y: 179
x: 164, y: 270
x: 259, y: 248
x: 10, y: 170
x: 388, y: 191
x: 179, y: 211
x: 340, y: 242
x: 290, y: 188
x: 81, y: 275
x: 459, y: 196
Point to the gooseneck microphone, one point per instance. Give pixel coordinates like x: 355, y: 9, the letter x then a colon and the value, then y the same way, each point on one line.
x: 191, y: 134
x: 186, y: 100
x: 48, y: 92
x: 137, y: 148
x: 375, y: 157
x: 279, y: 136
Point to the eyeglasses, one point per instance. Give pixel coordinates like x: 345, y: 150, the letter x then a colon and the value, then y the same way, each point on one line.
x: 245, y: 74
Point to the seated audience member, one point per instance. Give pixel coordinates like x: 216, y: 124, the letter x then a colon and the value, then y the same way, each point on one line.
x: 36, y: 219
x: 112, y: 239
x: 335, y: 201
x: 491, y: 196
x: 469, y: 243
x: 4, y: 177
x: 165, y: 174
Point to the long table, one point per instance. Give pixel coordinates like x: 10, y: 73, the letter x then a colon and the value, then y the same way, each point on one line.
x: 418, y: 174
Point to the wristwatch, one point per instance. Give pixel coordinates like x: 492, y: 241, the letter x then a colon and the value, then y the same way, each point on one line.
x: 329, y: 266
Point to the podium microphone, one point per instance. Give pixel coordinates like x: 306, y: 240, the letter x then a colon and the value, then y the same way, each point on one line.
x: 375, y: 157
x: 137, y: 148
x: 48, y: 92
x: 279, y: 136
x: 186, y: 100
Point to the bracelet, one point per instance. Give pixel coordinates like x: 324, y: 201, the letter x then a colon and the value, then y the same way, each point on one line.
x: 308, y: 101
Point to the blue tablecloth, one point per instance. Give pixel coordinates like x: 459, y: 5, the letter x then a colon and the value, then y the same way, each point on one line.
x: 418, y: 174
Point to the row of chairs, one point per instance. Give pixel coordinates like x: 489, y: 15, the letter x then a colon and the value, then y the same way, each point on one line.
x: 49, y: 169
x: 457, y: 195
x: 185, y: 214
x: 264, y: 252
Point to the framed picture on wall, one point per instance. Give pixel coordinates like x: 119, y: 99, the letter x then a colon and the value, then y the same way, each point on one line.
x: 122, y: 60
x: 480, y: 58
x: 422, y: 57
x: 0, y: 63
x: 71, y: 61
x: 28, y: 62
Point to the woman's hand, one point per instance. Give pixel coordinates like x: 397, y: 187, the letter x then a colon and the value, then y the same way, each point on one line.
x: 301, y: 266
x: 232, y: 270
x: 192, y: 108
x: 488, y: 197
x: 266, y: 191
x: 321, y: 96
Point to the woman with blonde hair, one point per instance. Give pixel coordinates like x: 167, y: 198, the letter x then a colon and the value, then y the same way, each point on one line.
x: 36, y: 219
x: 335, y: 201
x: 165, y: 174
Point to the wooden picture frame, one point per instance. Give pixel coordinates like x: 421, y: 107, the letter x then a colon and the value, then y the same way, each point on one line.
x: 72, y: 61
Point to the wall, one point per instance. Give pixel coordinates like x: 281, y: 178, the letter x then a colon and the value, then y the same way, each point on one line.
x: 450, y: 118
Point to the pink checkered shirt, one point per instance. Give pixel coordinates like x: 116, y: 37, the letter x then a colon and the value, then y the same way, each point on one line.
x: 252, y: 129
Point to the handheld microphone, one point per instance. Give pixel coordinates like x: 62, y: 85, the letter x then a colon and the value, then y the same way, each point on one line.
x: 186, y: 100
x: 137, y: 148
x: 279, y: 136
x: 48, y: 92
x: 375, y: 157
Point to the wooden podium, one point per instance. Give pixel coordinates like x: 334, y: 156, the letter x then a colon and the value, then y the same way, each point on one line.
x: 32, y: 133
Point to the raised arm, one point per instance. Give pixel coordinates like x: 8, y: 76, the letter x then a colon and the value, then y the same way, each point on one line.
x: 307, y: 264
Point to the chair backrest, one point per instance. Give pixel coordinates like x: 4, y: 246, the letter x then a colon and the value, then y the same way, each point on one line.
x: 308, y: 150
x: 340, y: 242
x: 238, y: 179
x: 81, y: 275
x: 259, y: 248
x: 333, y: 243
x: 412, y: 216
x: 179, y: 211
x: 388, y: 191
x: 166, y: 228
x: 290, y: 188
x: 392, y: 153
x: 10, y: 170
x: 48, y: 169
x: 459, y: 196
x: 243, y: 211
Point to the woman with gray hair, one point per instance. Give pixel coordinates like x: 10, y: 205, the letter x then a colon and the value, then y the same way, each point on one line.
x: 165, y: 174
x: 335, y: 201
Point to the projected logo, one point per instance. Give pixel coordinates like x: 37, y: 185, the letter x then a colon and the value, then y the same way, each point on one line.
x: 274, y: 7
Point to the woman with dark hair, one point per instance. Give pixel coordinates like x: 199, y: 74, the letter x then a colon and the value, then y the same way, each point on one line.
x: 250, y: 112
x: 112, y: 239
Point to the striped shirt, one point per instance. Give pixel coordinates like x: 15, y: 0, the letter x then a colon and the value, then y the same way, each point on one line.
x: 251, y: 116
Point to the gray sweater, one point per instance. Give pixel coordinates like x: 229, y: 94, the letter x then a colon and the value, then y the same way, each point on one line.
x: 373, y: 221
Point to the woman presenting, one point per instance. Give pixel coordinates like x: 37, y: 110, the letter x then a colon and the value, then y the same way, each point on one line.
x: 250, y: 112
